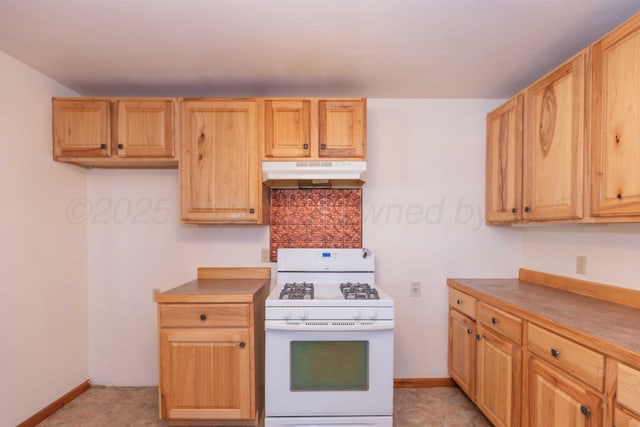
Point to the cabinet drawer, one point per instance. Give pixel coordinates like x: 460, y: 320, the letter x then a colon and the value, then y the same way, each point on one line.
x: 628, y: 393
x: 502, y: 322
x: 573, y: 358
x: 462, y: 302
x: 203, y: 315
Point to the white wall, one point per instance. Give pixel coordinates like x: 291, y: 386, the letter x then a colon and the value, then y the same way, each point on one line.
x: 43, y: 258
x: 423, y: 155
x: 612, y: 251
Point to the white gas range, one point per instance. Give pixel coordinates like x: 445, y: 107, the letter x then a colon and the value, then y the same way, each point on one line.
x: 329, y: 341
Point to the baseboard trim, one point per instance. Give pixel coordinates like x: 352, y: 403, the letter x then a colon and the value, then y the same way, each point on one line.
x: 422, y: 382
x: 55, y: 405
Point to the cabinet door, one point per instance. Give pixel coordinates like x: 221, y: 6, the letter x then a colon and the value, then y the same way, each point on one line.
x: 206, y: 374
x: 499, y: 368
x: 553, y: 157
x: 462, y: 350
x: 145, y: 128
x: 615, y: 185
x: 342, y: 128
x: 81, y: 128
x: 622, y: 419
x: 504, y: 162
x: 555, y: 400
x: 287, y: 128
x: 219, y: 162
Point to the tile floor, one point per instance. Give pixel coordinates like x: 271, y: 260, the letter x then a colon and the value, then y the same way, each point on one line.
x: 138, y: 406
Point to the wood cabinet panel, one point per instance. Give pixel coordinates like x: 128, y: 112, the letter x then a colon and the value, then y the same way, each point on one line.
x: 571, y: 357
x: 220, y: 164
x: 553, y: 155
x: 462, y: 351
x: 504, y: 162
x: 204, y: 315
x: 622, y: 419
x: 146, y: 128
x: 81, y: 128
x: 342, y: 128
x: 555, y: 400
x: 207, y: 374
x: 500, y: 321
x: 628, y: 389
x: 615, y: 133
x: 287, y: 128
x: 499, y: 373
x: 462, y: 302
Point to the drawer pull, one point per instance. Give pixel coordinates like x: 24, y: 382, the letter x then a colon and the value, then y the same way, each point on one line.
x: 494, y: 320
x: 478, y: 337
x: 203, y: 317
x: 323, y: 146
x: 242, y: 344
x: 469, y: 331
x: 458, y: 301
x: 555, y: 353
x: 305, y: 146
x: 585, y: 411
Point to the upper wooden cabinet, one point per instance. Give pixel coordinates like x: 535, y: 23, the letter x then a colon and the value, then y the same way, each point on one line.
x: 114, y: 132
x: 303, y: 129
x: 504, y: 162
x: 220, y: 175
x: 615, y: 131
x: 553, y: 155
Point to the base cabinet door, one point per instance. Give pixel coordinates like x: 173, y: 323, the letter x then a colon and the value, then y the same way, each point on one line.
x: 462, y: 351
x: 206, y: 374
x: 555, y: 400
x: 623, y: 419
x: 498, y: 379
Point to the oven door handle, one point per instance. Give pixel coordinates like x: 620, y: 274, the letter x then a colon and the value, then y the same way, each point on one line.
x: 328, y: 326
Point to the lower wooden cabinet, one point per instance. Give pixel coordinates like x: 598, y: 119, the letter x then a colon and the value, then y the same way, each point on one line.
x: 498, y: 386
x: 623, y: 419
x: 556, y: 400
x: 211, y: 348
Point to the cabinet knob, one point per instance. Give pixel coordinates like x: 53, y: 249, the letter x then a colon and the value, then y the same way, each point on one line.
x: 469, y: 331
x: 555, y: 353
x: 305, y: 146
x: 458, y: 301
x: 526, y: 208
x: 514, y: 210
x: 103, y: 146
x: 120, y: 146
x: 323, y: 146
x: 585, y: 411
x: 478, y: 337
x: 494, y: 320
x: 619, y: 195
x: 203, y: 317
x: 252, y: 210
x: 242, y: 344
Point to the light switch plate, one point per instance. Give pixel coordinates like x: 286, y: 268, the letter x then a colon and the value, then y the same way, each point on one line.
x: 264, y: 255
x: 581, y: 264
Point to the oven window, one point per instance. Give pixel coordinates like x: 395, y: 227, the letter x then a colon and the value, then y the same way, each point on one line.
x: 329, y: 365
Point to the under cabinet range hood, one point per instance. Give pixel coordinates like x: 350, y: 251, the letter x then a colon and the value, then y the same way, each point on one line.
x: 314, y: 174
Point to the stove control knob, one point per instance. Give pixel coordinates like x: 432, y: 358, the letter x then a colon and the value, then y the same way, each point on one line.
x: 357, y: 314
x: 373, y: 314
x: 303, y: 314
x: 286, y: 315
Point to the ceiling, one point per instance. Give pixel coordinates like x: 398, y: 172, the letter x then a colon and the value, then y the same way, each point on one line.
x: 372, y: 48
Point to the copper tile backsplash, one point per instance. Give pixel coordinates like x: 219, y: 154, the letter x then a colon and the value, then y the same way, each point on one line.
x: 320, y: 218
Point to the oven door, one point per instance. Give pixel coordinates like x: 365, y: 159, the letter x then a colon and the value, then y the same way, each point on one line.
x: 319, y: 368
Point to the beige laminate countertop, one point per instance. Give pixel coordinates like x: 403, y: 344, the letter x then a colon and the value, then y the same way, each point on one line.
x: 214, y: 291
x: 613, y: 325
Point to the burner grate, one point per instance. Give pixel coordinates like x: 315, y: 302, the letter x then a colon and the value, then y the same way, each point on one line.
x: 297, y: 290
x: 358, y: 291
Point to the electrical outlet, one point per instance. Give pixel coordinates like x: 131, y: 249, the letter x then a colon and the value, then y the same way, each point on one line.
x: 265, y: 256
x: 154, y: 291
x: 581, y: 264
x: 415, y: 289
